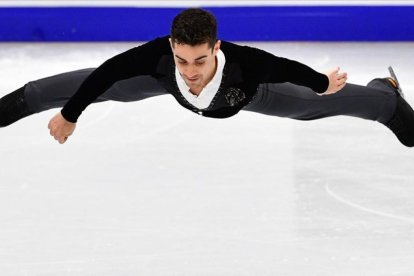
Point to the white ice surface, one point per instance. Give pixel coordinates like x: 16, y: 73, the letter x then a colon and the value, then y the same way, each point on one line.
x: 149, y: 188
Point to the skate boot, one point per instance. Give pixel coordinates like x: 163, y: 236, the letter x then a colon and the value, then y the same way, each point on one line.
x: 387, y: 83
x: 13, y: 107
x: 402, y: 122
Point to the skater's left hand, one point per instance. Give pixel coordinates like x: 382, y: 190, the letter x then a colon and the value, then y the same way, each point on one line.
x: 337, y: 81
x: 60, y: 128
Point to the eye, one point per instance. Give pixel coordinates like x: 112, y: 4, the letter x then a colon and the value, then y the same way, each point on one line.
x: 200, y: 62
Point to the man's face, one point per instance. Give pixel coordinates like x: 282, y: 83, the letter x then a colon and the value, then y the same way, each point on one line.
x: 196, y: 64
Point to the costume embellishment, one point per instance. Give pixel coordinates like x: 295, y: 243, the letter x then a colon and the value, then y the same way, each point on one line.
x: 234, y: 96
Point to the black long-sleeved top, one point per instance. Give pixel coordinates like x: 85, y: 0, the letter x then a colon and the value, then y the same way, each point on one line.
x: 245, y: 69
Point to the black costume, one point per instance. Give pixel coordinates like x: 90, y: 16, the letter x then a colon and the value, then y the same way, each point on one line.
x: 245, y: 69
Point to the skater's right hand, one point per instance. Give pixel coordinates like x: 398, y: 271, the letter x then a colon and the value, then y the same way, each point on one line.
x: 337, y: 81
x: 60, y: 128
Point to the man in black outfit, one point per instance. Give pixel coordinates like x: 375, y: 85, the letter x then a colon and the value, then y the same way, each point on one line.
x: 212, y: 78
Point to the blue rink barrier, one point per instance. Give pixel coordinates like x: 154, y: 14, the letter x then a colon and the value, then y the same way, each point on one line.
x: 278, y: 23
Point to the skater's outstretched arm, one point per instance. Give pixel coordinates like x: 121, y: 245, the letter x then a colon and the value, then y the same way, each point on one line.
x: 268, y: 68
x: 138, y: 61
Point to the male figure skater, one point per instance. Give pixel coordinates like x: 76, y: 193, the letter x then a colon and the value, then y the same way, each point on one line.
x: 212, y: 78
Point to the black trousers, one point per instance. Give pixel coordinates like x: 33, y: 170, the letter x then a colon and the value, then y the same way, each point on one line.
x: 374, y: 102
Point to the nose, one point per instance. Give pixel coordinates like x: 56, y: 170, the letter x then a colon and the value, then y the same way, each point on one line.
x: 190, y: 71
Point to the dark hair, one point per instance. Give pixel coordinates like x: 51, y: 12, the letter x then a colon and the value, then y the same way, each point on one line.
x: 194, y: 27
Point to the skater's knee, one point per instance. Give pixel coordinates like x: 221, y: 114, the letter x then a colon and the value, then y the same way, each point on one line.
x: 381, y: 83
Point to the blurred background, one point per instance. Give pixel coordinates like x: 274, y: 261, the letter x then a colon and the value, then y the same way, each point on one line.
x: 272, y: 20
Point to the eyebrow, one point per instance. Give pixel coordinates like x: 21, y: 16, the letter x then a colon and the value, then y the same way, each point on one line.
x: 195, y: 59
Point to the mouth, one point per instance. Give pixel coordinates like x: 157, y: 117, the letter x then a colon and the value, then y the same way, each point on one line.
x: 192, y: 79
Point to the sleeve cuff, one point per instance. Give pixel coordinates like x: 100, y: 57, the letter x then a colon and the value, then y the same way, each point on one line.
x: 68, y: 117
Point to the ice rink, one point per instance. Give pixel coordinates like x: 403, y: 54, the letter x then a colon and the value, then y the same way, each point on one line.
x: 149, y: 188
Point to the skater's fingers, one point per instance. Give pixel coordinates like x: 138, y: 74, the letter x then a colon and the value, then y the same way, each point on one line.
x: 63, y: 140
x: 54, y: 131
x: 60, y: 138
x: 340, y: 76
x: 55, y: 136
x: 63, y: 134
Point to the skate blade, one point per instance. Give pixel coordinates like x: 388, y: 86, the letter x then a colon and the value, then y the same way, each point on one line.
x: 399, y: 90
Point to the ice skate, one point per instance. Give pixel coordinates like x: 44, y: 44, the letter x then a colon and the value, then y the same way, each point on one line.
x: 402, y: 122
x: 387, y: 83
x: 394, y: 82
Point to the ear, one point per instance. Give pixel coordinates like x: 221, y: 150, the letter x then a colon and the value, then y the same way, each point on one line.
x: 171, y: 44
x: 217, y: 46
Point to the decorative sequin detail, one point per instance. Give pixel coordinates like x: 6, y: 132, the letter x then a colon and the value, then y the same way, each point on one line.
x: 234, y: 96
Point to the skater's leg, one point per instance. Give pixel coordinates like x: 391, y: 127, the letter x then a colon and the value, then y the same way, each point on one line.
x: 378, y: 101
x: 40, y: 95
x: 301, y: 103
x: 54, y: 91
x: 402, y: 121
